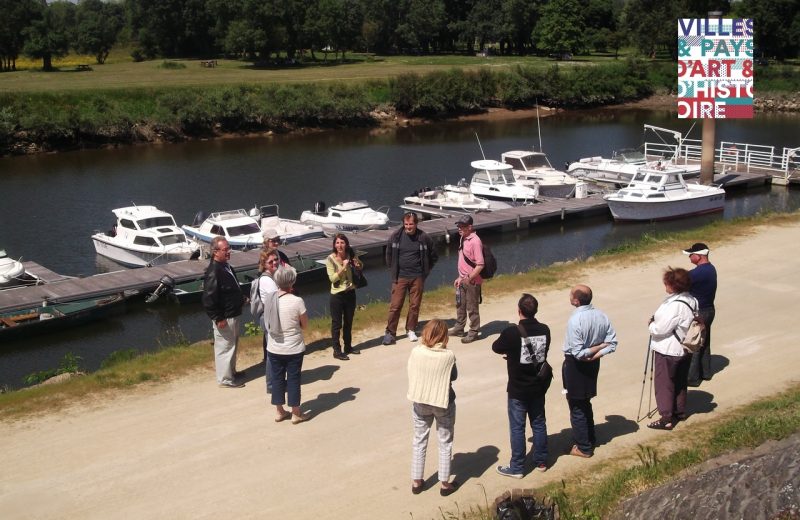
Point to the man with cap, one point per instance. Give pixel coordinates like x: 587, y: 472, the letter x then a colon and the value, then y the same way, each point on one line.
x: 272, y: 239
x: 410, y: 256
x: 468, y: 283
x: 704, y: 288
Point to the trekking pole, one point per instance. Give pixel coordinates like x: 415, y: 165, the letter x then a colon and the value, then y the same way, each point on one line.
x: 644, y: 378
x: 650, y: 410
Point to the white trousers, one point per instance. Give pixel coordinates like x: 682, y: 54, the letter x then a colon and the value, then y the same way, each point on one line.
x: 225, y: 342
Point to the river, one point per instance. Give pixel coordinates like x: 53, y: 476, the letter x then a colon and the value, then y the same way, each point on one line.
x: 51, y: 204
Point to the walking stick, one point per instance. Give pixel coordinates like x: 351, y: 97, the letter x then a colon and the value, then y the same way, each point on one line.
x: 644, y: 378
x: 650, y: 410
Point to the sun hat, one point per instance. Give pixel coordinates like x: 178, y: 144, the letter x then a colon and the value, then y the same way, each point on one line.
x: 698, y: 248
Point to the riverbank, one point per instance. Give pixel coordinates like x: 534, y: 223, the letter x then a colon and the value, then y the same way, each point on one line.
x: 186, y: 448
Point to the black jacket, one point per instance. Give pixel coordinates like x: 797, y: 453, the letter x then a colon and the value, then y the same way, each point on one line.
x: 427, y: 252
x: 222, y: 295
x: 523, y: 382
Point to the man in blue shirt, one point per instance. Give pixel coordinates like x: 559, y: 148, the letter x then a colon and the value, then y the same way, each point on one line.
x: 704, y: 288
x: 589, y: 337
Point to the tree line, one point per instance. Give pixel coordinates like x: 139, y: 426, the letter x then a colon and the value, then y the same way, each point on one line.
x: 263, y: 30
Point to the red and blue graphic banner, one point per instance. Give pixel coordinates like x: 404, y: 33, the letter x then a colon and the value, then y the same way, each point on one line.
x: 715, y: 68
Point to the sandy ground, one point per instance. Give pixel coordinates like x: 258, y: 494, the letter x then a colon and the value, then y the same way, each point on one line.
x: 191, y: 450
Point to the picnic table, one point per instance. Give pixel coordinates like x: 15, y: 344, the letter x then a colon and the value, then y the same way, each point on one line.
x: 82, y: 67
x: 208, y: 63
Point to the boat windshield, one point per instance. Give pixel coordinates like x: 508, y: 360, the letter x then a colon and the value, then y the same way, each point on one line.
x: 502, y: 177
x: 630, y: 156
x: 147, y: 223
x: 535, y: 161
x: 177, y: 238
x: 639, y: 176
x: 246, y: 229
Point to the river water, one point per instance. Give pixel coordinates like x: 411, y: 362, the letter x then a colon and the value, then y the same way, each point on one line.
x: 51, y: 204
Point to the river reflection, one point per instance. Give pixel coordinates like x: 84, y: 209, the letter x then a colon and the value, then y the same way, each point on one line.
x: 53, y: 203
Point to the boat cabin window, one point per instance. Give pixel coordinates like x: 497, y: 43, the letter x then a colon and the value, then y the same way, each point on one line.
x: 216, y: 229
x: 128, y: 224
x: 656, y: 196
x: 146, y: 223
x: 145, y: 241
x: 515, y: 163
x: 245, y: 229
x: 639, y: 176
x: 176, y: 238
x: 481, y: 178
x: 536, y: 161
x: 501, y: 177
x: 635, y: 194
x: 656, y: 178
x: 336, y: 214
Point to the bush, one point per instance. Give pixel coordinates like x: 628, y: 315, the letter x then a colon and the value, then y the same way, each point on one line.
x: 171, y: 65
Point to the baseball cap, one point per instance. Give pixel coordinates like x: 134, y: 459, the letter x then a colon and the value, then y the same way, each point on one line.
x: 698, y: 248
x: 465, y: 220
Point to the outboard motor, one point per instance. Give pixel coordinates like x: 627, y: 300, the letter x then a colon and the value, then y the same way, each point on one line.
x: 319, y: 207
x: 199, y: 218
x: 255, y: 212
x: 166, y: 284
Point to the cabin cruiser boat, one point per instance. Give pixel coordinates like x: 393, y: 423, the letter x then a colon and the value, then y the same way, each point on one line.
x: 289, y: 230
x: 144, y: 236
x: 11, y: 270
x: 495, y: 181
x: 621, y: 168
x: 240, y: 229
x: 345, y: 217
x: 661, y: 193
x: 533, y: 169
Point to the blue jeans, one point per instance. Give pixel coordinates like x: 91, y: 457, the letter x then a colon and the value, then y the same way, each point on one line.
x: 518, y: 410
x: 581, y: 416
x: 285, y: 375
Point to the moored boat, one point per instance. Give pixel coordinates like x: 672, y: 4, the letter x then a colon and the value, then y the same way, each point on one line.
x: 11, y: 271
x: 52, y: 316
x: 533, y: 169
x: 289, y: 230
x: 661, y: 193
x: 345, y: 217
x: 144, y: 236
x: 240, y: 229
x: 495, y: 181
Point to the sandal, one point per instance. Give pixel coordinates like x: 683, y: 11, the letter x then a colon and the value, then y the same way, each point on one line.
x: 297, y: 419
x: 416, y: 486
x: 661, y: 424
x: 448, y: 488
x: 283, y: 416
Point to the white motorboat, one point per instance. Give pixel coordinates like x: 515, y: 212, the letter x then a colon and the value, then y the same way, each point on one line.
x: 495, y: 180
x: 289, y: 230
x: 11, y: 271
x: 345, y: 217
x: 144, y: 236
x: 661, y: 193
x: 239, y: 229
x: 453, y: 197
x: 533, y: 169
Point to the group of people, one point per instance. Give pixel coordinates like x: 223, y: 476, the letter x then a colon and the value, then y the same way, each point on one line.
x: 589, y: 336
x: 410, y: 255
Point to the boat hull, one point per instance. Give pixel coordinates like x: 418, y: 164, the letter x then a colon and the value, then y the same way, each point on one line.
x: 55, y: 317
x: 132, y: 258
x: 630, y: 211
x: 237, y: 243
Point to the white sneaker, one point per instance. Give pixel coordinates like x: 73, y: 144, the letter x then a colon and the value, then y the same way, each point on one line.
x: 412, y: 336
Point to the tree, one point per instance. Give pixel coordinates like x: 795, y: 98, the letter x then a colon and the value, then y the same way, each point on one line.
x: 17, y: 16
x: 97, y: 26
x: 49, y: 36
x: 776, y: 26
x: 421, y: 24
x: 338, y: 24
x: 560, y: 30
x: 644, y: 22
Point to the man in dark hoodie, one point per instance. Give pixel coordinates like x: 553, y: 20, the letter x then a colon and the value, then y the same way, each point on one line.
x: 525, y: 354
x: 410, y: 256
x: 223, y: 300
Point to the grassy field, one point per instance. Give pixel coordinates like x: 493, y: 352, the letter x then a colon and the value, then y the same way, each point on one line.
x: 120, y: 73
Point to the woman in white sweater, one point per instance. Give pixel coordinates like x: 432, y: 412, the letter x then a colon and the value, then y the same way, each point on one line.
x: 671, y: 362
x: 431, y: 369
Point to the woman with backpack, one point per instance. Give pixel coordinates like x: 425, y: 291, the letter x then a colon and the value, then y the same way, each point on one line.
x: 268, y: 263
x: 668, y: 326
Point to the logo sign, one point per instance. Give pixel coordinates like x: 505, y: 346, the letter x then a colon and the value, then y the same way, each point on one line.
x: 715, y: 68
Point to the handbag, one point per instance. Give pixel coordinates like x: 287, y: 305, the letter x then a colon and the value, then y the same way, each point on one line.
x: 359, y: 280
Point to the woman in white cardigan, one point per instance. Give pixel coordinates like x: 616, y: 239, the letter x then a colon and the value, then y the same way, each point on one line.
x: 431, y: 370
x: 668, y: 326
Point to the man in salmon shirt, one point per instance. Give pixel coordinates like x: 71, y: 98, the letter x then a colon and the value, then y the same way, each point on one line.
x: 468, y: 283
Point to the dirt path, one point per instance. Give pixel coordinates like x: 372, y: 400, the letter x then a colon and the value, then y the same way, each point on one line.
x: 191, y: 450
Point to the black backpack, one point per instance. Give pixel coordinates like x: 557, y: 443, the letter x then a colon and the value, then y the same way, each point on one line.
x: 489, y: 261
